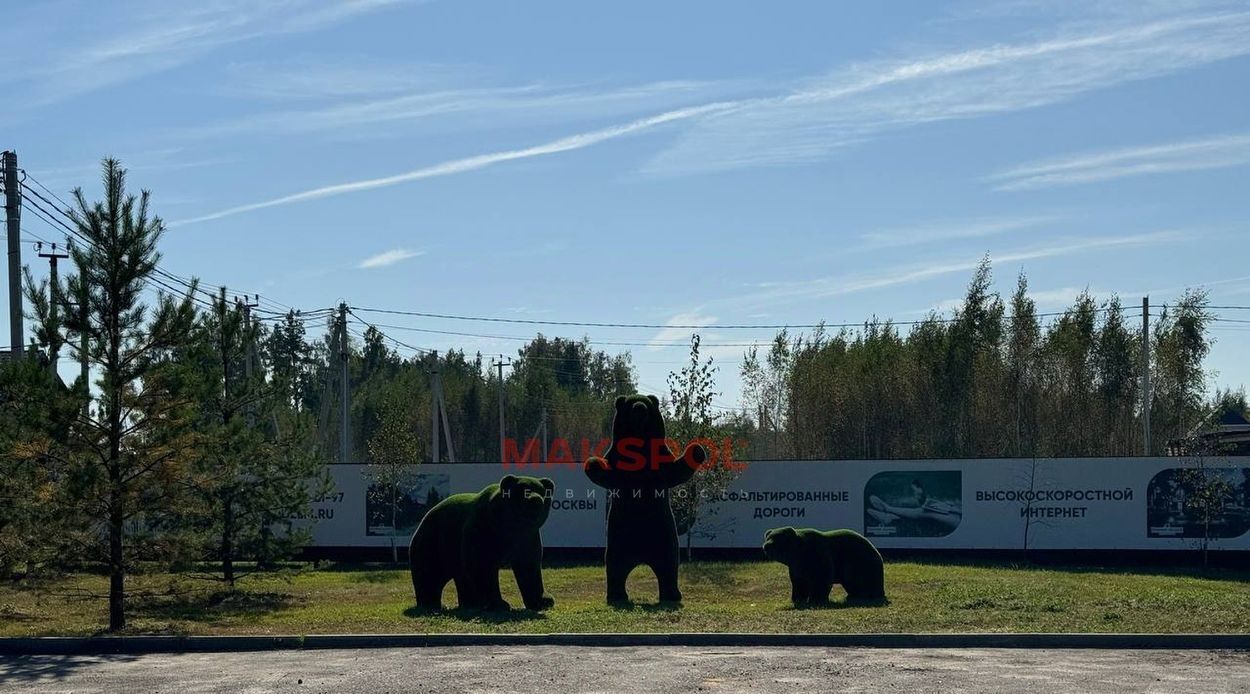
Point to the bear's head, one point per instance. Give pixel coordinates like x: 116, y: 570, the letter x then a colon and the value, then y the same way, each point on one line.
x: 640, y: 444
x: 637, y: 417
x: 780, y: 544
x: 522, y: 502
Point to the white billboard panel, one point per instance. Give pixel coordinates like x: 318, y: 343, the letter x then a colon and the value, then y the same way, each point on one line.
x: 1064, y: 503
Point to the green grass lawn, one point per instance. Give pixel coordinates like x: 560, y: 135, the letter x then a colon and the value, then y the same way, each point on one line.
x: 719, y: 596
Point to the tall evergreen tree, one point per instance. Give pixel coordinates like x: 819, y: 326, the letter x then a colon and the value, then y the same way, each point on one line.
x: 256, y: 467
x: 136, y: 436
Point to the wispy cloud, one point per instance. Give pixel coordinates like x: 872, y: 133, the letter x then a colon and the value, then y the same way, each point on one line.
x: 481, y: 161
x: 322, y: 78
x: 945, y: 232
x: 864, y: 100
x: 145, y: 162
x: 151, y: 37
x: 1044, y: 300
x: 666, y: 336
x: 386, y: 258
x: 439, y: 106
x: 1191, y: 155
x: 825, y: 287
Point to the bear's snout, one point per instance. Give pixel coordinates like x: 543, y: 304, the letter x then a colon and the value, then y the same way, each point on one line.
x: 640, y: 413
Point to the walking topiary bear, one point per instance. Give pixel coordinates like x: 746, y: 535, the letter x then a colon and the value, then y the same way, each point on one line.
x: 817, y: 560
x: 638, y: 470
x: 466, y: 538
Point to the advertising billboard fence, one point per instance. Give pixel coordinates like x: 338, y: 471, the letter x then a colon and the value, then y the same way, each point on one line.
x: 982, y: 504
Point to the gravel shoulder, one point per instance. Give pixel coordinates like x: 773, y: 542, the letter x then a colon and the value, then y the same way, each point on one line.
x: 651, y: 670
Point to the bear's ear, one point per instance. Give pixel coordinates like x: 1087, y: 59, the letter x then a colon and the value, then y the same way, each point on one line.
x: 509, y: 483
x: 548, y: 485
x: 654, y: 401
x: 786, y: 532
x: 620, y: 401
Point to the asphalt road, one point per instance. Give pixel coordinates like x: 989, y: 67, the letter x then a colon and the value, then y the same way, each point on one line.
x: 551, y: 669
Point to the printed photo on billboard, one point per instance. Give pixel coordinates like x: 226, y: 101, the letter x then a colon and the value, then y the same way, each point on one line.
x: 920, y: 503
x: 1198, y: 502
x: 397, y: 509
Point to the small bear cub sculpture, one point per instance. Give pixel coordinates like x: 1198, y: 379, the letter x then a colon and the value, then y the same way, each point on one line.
x: 817, y: 560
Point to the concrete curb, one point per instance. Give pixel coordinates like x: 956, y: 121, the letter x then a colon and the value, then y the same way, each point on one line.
x: 137, y: 645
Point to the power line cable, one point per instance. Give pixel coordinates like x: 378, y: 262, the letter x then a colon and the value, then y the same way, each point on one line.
x: 70, y: 228
x: 679, y: 326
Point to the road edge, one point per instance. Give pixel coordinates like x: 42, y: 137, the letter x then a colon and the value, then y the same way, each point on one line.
x: 138, y: 645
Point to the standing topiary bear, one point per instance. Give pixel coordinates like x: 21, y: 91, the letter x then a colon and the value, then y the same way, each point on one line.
x: 466, y: 538
x: 817, y: 560
x: 638, y: 471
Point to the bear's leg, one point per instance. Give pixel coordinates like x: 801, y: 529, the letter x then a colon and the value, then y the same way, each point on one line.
x: 423, y: 568
x: 800, y: 593
x: 489, y: 595
x: 464, y: 592
x: 800, y: 588
x: 528, y: 571
x: 870, y: 587
x: 820, y: 593
x: 665, y: 570
x: 618, y: 566
x: 429, y: 588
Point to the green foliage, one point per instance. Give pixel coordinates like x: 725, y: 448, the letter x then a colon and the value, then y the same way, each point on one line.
x: 991, y: 381
x: 256, y: 467
x: 394, y: 454
x: 121, y: 455
x: 36, y: 413
x: 691, y: 392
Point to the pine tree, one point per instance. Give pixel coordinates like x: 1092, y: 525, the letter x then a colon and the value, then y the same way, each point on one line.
x: 136, y: 438
x: 256, y: 467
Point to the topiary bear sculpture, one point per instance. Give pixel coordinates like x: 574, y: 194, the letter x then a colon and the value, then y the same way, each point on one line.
x: 466, y: 538
x: 817, y: 560
x: 638, y: 470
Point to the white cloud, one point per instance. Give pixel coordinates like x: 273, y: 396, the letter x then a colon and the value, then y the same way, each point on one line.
x: 481, y: 161
x: 864, y: 100
x: 944, y: 231
x: 667, y: 336
x: 824, y: 287
x: 150, y: 37
x: 1044, y: 300
x: 386, y: 258
x: 442, y: 106
x: 1191, y: 155
x: 318, y: 78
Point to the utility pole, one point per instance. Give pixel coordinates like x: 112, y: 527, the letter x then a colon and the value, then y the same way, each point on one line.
x: 247, y: 305
x: 438, y: 413
x: 345, y: 434
x: 1145, y: 374
x: 54, y: 342
x: 13, y: 217
x: 434, y: 388
x: 442, y: 413
x: 434, y: 452
x: 544, y: 425
x: 499, y: 365
x: 84, y: 360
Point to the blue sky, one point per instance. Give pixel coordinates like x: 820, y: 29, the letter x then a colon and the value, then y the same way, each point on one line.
x: 661, y: 163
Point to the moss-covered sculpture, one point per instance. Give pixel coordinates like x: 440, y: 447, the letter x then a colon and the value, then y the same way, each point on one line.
x: 638, y: 470
x: 817, y: 560
x: 466, y: 538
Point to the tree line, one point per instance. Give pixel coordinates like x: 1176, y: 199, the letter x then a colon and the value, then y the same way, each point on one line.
x: 992, y: 380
